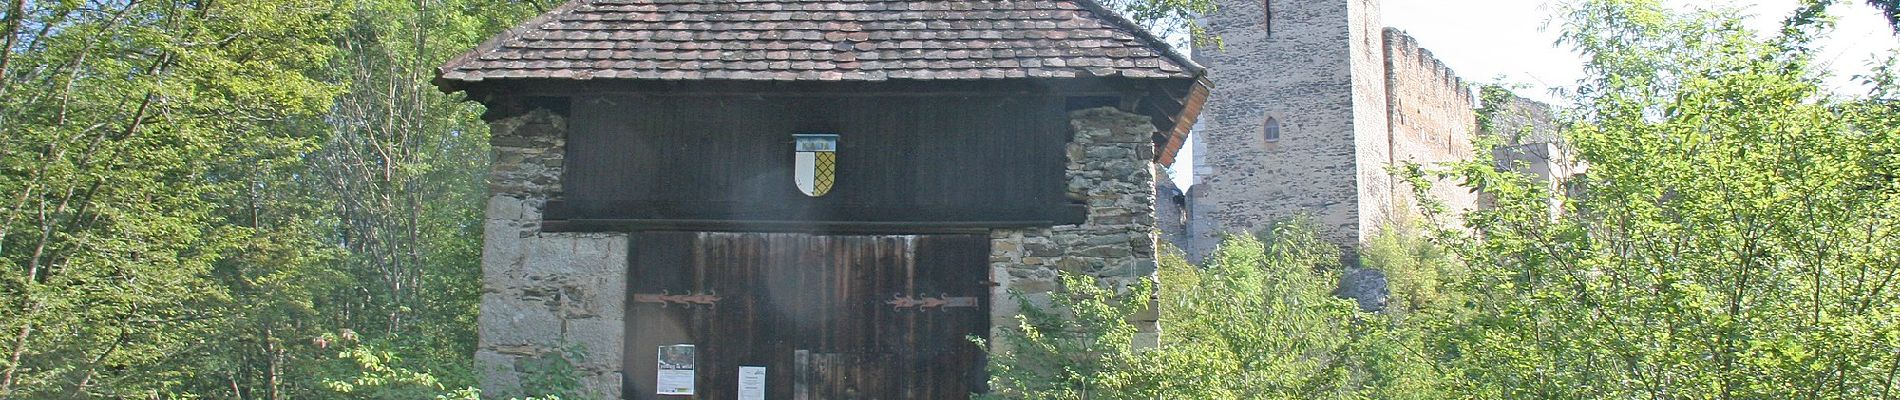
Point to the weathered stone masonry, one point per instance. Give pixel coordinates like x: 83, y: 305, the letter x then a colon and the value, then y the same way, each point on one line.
x: 1311, y: 70
x: 1110, y: 166
x: 544, y: 292
x: 1431, y: 120
x: 1352, y: 99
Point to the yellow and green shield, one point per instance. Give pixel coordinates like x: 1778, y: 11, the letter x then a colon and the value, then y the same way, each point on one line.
x: 815, y: 163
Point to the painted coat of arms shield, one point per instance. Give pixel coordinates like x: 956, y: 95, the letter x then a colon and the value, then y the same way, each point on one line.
x: 815, y: 163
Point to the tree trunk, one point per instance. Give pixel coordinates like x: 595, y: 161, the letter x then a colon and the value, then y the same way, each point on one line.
x: 13, y: 361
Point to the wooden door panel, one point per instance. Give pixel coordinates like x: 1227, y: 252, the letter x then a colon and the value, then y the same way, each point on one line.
x: 819, y: 312
x: 850, y: 376
x: 663, y: 264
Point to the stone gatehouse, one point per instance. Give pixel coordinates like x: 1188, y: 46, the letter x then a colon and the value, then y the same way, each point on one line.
x: 807, y: 199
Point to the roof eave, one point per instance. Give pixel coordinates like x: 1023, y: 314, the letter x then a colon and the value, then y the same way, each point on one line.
x: 494, y: 42
x: 1168, y: 51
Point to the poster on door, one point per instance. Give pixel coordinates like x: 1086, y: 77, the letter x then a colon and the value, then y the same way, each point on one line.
x: 751, y: 383
x: 676, y: 370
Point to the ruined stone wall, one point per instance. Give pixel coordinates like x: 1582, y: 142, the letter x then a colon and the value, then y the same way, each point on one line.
x: 1531, y: 143
x: 1110, y: 166
x: 1171, y: 211
x: 1431, y: 119
x: 1516, y: 120
x: 543, y: 293
x: 1299, y: 68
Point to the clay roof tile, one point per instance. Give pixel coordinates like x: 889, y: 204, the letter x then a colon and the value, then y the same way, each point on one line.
x: 826, y: 40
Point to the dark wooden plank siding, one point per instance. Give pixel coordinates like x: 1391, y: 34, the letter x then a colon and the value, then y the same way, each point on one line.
x: 819, y: 301
x: 899, y: 159
x: 662, y: 264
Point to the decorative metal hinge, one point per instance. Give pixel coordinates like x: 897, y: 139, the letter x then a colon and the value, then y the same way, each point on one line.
x: 900, y: 302
x: 666, y: 299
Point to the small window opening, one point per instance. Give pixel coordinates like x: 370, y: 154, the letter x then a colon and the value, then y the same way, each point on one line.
x: 1273, y: 129
x: 1266, y: 19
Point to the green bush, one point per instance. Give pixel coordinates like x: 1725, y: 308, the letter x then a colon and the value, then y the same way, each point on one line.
x: 1258, y: 321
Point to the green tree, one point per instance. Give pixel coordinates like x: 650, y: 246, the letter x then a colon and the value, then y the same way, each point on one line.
x: 212, y: 198
x: 1889, y: 8
x: 1264, y: 310
x: 122, y: 128
x: 1734, y: 239
x: 402, y: 179
x: 1173, y: 19
x: 1077, y: 345
x: 1258, y: 321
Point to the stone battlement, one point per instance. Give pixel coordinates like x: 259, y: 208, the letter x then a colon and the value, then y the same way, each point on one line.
x: 1404, y: 55
x: 1313, y: 102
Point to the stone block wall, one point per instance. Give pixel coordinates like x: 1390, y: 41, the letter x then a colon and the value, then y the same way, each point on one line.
x: 1301, y: 63
x: 544, y: 294
x: 1370, y: 128
x: 1431, y: 119
x: 1111, y: 168
x: 1353, y: 98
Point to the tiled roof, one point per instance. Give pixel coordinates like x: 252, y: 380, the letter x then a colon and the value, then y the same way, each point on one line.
x: 822, y: 40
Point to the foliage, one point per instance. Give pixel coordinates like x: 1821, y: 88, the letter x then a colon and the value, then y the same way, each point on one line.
x: 1890, y: 9
x: 1169, y: 18
x: 1734, y: 239
x: 553, y: 374
x: 122, y: 126
x: 1077, y: 346
x: 202, y: 198
x: 1264, y: 309
x: 371, y: 374
x: 1258, y: 321
x: 1419, y: 272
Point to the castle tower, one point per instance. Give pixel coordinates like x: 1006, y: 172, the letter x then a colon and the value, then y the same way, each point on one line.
x: 1297, y: 121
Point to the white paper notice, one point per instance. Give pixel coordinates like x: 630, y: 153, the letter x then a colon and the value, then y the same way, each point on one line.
x: 751, y: 383
x: 676, y: 370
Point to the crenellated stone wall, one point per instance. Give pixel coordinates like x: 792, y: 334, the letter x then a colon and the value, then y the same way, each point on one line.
x: 1110, y: 167
x: 544, y: 294
x: 1431, y: 120
x: 1352, y: 98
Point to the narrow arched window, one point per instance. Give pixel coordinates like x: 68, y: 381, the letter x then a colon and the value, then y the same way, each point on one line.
x: 1273, y: 129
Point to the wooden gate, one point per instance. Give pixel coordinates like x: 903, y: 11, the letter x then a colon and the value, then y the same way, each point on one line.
x: 829, y: 317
